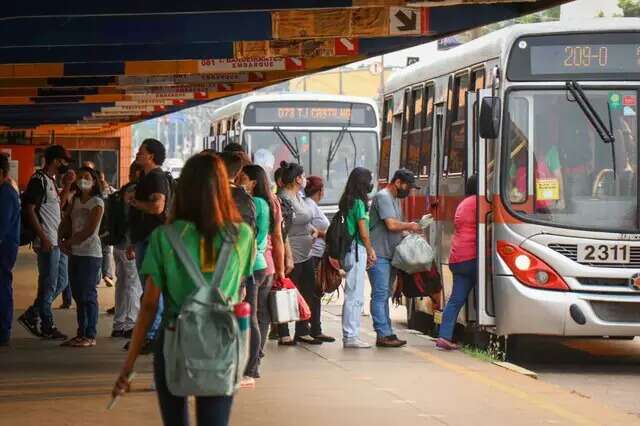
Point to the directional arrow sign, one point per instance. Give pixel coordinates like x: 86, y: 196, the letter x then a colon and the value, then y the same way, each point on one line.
x: 404, y: 21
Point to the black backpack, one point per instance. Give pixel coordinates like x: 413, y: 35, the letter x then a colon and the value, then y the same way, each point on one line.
x: 27, y: 233
x: 338, y: 241
x: 113, y: 229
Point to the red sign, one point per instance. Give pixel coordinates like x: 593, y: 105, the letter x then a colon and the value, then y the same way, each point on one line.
x: 629, y: 100
x: 347, y: 46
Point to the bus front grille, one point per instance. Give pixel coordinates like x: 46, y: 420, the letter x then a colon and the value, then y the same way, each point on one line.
x: 617, y: 311
x: 571, y: 251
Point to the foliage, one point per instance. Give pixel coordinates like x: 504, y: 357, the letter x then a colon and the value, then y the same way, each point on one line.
x: 629, y: 7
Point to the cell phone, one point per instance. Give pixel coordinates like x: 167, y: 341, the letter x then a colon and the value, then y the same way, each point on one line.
x: 114, y: 400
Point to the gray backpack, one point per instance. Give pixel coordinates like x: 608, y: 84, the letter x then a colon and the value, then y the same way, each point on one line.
x: 204, y: 349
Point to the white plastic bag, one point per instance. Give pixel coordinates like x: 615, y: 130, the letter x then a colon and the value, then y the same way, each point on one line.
x: 413, y: 255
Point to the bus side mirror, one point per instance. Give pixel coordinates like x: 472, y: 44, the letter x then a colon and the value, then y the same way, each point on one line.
x: 490, y: 112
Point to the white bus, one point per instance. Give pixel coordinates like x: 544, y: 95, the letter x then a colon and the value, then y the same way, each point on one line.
x: 328, y: 135
x: 546, y: 116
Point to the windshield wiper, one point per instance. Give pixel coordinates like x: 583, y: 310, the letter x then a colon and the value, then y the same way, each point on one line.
x: 606, y: 134
x: 292, y: 149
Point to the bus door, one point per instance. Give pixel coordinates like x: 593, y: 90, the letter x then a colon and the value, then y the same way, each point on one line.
x: 435, y: 181
x: 484, y: 290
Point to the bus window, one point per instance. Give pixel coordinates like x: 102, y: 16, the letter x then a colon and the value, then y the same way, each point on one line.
x: 413, y: 138
x: 427, y: 131
x: 518, y: 151
x: 385, y: 146
x: 477, y: 79
x: 456, y: 128
x: 477, y: 83
x: 407, y: 118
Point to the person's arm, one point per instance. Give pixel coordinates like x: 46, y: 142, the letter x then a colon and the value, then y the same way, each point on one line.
x: 387, y: 213
x: 33, y: 196
x: 147, y: 314
x: 277, y: 243
x: 262, y: 225
x: 89, y: 228
x: 395, y: 225
x: 154, y: 206
x: 363, y: 230
x: 288, y: 256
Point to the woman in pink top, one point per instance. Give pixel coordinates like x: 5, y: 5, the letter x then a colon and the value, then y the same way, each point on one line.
x: 462, y: 263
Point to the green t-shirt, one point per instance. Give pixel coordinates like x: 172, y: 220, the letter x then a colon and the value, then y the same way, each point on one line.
x: 170, y: 276
x: 263, y: 222
x: 357, y: 213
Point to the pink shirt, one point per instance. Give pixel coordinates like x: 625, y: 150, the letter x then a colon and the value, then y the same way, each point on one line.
x: 463, y: 244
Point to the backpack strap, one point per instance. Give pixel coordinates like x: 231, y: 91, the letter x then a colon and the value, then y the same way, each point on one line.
x: 190, y: 265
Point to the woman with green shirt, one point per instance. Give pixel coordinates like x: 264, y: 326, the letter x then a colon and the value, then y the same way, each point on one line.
x: 355, y: 202
x: 255, y: 181
x: 204, y: 215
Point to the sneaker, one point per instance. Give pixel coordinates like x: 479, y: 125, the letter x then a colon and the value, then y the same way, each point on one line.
x: 53, y: 334
x: 390, y: 342
x: 356, y: 344
x: 445, y: 345
x: 31, y: 325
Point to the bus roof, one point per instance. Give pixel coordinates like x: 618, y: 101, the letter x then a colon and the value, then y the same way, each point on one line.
x: 496, y: 45
x: 236, y: 107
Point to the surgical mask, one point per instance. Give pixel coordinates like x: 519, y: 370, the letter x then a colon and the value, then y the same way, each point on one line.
x: 85, y: 185
x: 403, y: 193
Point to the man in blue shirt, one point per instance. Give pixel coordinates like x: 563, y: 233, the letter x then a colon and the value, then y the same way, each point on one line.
x: 9, y: 242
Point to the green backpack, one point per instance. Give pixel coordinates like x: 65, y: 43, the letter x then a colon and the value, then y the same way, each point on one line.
x: 205, y: 350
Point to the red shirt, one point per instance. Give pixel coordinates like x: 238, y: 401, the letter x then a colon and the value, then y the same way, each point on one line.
x: 463, y: 244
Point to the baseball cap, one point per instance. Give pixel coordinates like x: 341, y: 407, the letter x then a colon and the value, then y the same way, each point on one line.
x: 54, y: 152
x: 405, y: 176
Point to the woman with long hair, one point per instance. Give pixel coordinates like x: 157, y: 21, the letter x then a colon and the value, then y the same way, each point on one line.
x: 80, y: 241
x: 300, y: 236
x: 354, y: 206
x: 204, y: 216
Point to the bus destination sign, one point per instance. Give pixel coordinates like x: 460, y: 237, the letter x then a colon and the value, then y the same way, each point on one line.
x: 310, y: 113
x: 575, y: 56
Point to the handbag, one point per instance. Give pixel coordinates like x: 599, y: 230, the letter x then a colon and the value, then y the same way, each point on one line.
x: 413, y: 254
x: 284, y: 306
x: 205, y: 349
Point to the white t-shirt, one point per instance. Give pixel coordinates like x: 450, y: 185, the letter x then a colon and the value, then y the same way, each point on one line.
x: 50, y: 211
x: 80, y: 213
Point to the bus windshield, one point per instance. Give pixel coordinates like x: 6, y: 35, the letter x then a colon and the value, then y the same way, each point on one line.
x: 559, y: 170
x: 326, y: 153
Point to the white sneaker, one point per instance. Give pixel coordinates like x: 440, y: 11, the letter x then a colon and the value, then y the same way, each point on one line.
x: 356, y: 344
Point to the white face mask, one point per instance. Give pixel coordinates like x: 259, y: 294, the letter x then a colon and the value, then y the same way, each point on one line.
x: 85, y: 185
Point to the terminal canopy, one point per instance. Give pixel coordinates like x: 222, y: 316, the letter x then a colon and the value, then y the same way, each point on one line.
x: 84, y: 67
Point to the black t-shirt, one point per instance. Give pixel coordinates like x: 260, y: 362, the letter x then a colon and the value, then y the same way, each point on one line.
x: 143, y: 224
x: 245, y: 205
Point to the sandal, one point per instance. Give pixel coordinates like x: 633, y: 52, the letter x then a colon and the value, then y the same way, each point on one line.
x: 71, y: 341
x: 83, y: 342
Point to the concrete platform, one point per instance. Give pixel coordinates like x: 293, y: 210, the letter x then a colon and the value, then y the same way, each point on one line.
x: 44, y: 384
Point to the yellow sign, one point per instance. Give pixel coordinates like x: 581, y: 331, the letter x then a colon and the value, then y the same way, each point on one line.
x: 547, y: 189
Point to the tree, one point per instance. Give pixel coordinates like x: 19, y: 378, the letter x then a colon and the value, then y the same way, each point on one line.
x: 629, y: 7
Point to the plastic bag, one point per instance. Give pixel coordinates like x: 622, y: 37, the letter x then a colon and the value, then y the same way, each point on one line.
x: 303, y: 308
x: 413, y: 255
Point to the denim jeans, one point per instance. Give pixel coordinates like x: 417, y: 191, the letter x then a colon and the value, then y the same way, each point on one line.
x: 128, y: 291
x: 354, y: 294
x: 251, y: 369
x: 380, y: 276
x: 210, y: 410
x: 8, y: 255
x: 464, y: 280
x: 52, y: 279
x: 141, y: 250
x: 303, y: 276
x: 264, y: 314
x: 83, y: 277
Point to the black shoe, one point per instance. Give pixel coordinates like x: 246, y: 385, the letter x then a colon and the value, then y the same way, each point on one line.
x: 31, y: 325
x: 324, y: 338
x: 53, y: 334
x: 308, y: 340
x: 65, y: 306
x: 390, y: 342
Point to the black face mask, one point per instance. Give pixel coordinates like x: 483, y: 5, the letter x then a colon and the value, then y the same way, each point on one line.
x: 370, y: 188
x: 403, y: 193
x: 63, y: 168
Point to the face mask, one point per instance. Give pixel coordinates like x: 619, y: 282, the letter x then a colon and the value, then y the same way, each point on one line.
x: 403, y: 193
x: 63, y: 168
x: 85, y: 185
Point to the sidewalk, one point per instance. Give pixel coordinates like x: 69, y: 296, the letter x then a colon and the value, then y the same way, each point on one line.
x: 43, y: 383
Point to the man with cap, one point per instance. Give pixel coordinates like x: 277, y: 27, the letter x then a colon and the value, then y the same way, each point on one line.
x: 387, y: 229
x: 42, y: 210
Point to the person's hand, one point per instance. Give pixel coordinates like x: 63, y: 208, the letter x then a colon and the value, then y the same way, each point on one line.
x: 65, y: 247
x: 131, y: 253
x: 371, y: 257
x: 46, y: 245
x: 279, y: 276
x: 289, y: 265
x: 415, y: 227
x: 314, y: 233
x: 122, y: 384
x: 68, y: 178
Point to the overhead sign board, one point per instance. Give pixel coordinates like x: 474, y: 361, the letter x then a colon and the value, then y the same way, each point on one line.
x: 340, y: 46
x: 408, y: 21
x: 251, y: 64
x: 156, y: 80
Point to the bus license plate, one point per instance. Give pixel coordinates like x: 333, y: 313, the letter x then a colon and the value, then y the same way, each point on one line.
x: 604, y: 253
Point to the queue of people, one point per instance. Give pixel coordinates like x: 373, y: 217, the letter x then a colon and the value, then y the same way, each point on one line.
x: 220, y: 198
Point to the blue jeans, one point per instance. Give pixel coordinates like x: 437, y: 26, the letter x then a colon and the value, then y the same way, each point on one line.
x: 141, y: 250
x: 52, y: 279
x: 83, y: 278
x: 354, y: 294
x: 465, y: 275
x: 380, y: 275
x: 8, y: 255
x: 210, y: 410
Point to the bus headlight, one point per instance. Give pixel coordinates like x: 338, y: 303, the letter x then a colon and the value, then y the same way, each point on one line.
x: 523, y: 262
x: 542, y: 277
x: 529, y: 269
